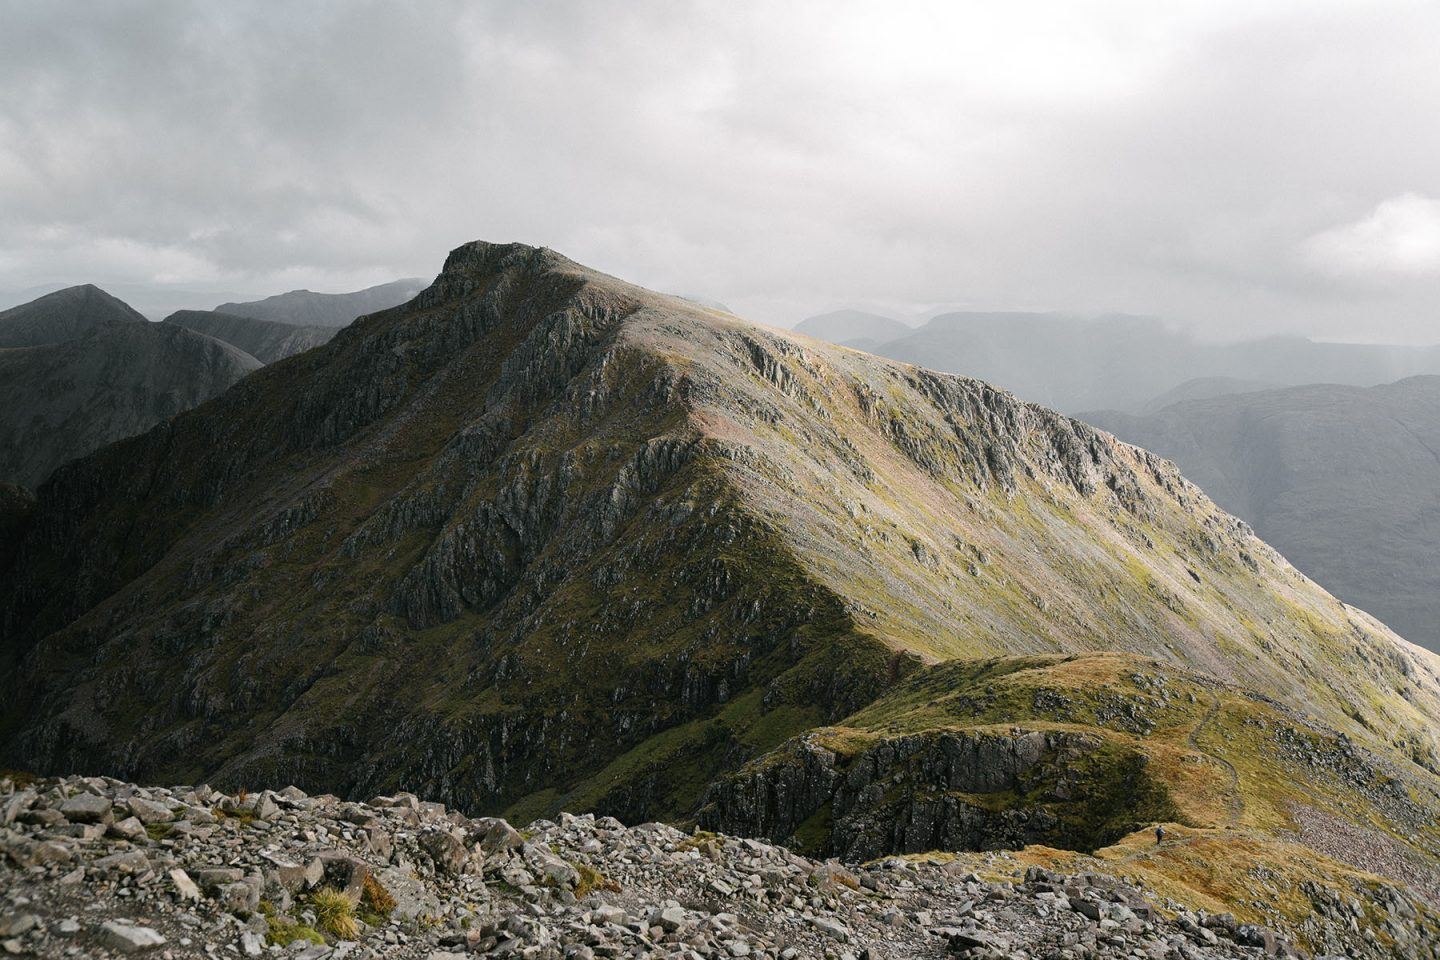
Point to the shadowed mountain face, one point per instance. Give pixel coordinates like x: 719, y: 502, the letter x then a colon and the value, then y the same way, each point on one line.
x: 1345, y: 481
x: 540, y: 539
x: 1125, y: 363
x: 61, y: 401
x: 265, y: 340
x: 95, y: 371
x: 63, y: 315
x: 304, y: 308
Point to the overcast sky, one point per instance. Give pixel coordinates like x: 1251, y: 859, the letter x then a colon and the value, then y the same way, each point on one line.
x: 1234, y: 166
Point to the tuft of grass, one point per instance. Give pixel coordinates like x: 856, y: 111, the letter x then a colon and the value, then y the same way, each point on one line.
x: 592, y: 880
x: 158, y: 831
x: 702, y: 840
x: 375, y: 900
x: 335, y: 913
x: 284, y: 931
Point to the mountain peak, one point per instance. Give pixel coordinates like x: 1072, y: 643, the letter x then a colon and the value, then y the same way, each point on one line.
x: 63, y: 315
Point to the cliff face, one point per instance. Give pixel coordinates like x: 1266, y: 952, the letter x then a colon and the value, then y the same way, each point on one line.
x: 542, y: 539
x: 943, y: 790
x: 1082, y: 752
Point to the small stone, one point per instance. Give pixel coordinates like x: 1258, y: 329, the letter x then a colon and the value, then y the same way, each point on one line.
x: 128, y: 829
x: 129, y: 938
x: 184, y: 886
x: 14, y: 924
x: 238, y: 897
x: 128, y: 862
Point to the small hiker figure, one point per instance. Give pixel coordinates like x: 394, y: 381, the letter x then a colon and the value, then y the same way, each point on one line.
x: 1159, y: 835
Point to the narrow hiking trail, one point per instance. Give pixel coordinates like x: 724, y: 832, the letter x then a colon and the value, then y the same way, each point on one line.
x: 1236, y: 802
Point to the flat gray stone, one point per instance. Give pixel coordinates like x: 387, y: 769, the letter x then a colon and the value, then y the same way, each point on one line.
x: 129, y: 937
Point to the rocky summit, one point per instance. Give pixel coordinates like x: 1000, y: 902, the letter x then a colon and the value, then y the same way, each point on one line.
x: 97, y: 867
x: 541, y: 541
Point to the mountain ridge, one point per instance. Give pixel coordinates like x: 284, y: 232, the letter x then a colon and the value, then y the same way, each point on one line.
x: 308, y: 308
x: 542, y: 539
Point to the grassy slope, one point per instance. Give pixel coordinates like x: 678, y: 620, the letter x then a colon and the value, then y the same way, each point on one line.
x: 1226, y: 759
x: 882, y: 480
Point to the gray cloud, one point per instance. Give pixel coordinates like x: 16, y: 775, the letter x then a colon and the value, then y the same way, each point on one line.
x: 1235, y: 166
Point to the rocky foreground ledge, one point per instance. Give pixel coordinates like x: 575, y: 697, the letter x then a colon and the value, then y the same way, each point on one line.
x: 97, y: 867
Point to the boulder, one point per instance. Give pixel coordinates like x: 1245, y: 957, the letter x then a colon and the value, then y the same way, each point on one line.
x: 128, y: 829
x: 495, y: 835
x: 344, y: 872
x: 148, y: 811
x: 87, y: 808
x: 448, y: 853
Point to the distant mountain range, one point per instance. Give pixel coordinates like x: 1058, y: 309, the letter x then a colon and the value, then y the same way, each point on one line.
x: 80, y: 369
x: 265, y: 340
x: 1345, y: 481
x: 1119, y: 362
x: 854, y: 328
x: 307, y: 309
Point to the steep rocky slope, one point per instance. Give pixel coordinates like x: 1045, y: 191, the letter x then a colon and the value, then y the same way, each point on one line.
x: 543, y: 540
x: 265, y: 340
x: 306, y: 308
x: 116, y: 378
x: 63, y: 315
x: 1345, y: 481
